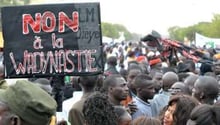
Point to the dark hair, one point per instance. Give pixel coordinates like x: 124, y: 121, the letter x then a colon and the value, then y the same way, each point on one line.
x: 143, y: 120
x: 205, y: 114
x: 99, y: 84
x: 191, y: 64
x: 182, y: 76
x: 131, y: 53
x: 88, y: 81
x: 209, y: 86
x: 184, y: 106
x: 112, y: 60
x: 97, y: 110
x: 133, y: 66
x: 110, y: 81
x: 140, y: 79
x: 120, y: 111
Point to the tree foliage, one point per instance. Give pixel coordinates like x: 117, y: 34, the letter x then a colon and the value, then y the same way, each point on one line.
x: 209, y: 29
x: 112, y: 30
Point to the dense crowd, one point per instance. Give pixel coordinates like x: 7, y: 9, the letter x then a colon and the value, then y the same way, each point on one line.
x: 138, y: 87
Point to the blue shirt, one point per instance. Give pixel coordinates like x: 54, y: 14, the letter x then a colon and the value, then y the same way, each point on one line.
x: 144, y: 108
x: 159, y: 102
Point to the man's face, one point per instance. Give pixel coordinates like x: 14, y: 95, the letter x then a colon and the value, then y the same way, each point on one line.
x: 147, y: 91
x: 131, y: 75
x: 120, y: 90
x: 158, y: 77
x: 196, y: 92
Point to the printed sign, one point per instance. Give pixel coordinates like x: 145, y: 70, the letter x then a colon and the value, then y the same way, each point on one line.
x: 57, y: 39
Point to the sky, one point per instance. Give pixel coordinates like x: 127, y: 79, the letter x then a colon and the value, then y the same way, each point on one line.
x: 143, y: 16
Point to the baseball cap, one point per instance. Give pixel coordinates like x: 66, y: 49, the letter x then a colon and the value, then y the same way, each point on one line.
x: 29, y: 102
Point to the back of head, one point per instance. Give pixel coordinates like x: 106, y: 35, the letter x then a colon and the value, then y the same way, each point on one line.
x: 44, y: 84
x: 120, y: 111
x: 182, y: 76
x: 205, y: 67
x: 182, y: 68
x: 169, y: 79
x: 191, y: 65
x: 143, y: 120
x: 189, y: 81
x: 32, y: 104
x: 88, y: 81
x: 134, y: 66
x: 205, y: 115
x: 208, y: 86
x: 97, y: 110
x: 112, y: 60
x: 122, y: 115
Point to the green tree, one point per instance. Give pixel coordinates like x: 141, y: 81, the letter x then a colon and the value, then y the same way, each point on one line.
x: 215, y: 26
x: 209, y: 29
x: 109, y: 30
x: 112, y: 30
x: 121, y: 28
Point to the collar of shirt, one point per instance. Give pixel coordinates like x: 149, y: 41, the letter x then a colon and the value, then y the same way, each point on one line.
x: 141, y: 101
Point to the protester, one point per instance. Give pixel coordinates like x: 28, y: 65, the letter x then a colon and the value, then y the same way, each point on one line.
x: 116, y: 89
x: 97, y: 110
x: 144, y: 86
x: 44, y: 84
x: 158, y: 81
x: 124, y: 118
x: 26, y: 104
x: 190, y: 81
x: 57, y: 83
x: 179, y: 88
x: 111, y: 66
x: 88, y: 84
x: 179, y: 109
x: 161, y: 100
x: 133, y: 71
x: 206, y: 89
x: 205, y: 115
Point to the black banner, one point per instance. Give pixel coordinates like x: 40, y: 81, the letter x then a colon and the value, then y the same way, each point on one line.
x: 57, y: 39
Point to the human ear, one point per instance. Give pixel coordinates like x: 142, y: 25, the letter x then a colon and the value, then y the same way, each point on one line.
x: 202, y: 95
x: 110, y: 89
x: 15, y: 120
x: 139, y: 89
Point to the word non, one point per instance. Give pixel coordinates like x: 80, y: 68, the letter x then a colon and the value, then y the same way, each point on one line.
x: 47, y: 22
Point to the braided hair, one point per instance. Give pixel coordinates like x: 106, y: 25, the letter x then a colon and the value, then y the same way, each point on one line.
x: 97, y: 110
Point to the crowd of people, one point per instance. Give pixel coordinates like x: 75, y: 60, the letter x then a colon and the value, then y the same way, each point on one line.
x: 138, y: 87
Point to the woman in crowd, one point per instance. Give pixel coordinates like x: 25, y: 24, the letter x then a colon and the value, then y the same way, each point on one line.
x: 179, y: 109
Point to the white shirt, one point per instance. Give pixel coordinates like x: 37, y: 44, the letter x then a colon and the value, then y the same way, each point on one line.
x: 67, y: 104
